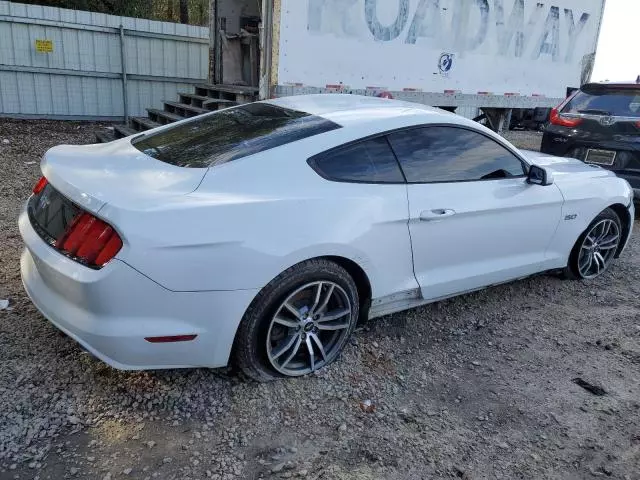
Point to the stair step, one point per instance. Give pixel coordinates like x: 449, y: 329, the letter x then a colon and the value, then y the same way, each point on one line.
x: 143, y: 123
x: 121, y: 131
x: 228, y: 92
x: 207, y: 103
x: 162, y: 117
x: 218, y: 103
x: 230, y: 88
x: 104, y: 136
x: 192, y: 99
x: 177, y: 107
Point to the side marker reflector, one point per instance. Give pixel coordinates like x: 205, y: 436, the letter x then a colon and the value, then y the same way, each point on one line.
x: 171, y: 339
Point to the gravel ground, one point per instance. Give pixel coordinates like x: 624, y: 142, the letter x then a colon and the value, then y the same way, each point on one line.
x: 475, y: 387
x: 525, y: 140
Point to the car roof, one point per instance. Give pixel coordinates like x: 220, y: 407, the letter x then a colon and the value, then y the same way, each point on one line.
x: 351, y: 110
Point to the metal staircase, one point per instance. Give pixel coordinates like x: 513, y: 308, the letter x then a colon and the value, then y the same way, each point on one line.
x: 206, y: 98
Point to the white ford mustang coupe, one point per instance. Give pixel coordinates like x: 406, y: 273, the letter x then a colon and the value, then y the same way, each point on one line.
x: 259, y: 234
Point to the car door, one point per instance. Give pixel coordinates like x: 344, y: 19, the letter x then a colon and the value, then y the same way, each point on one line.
x: 474, y: 219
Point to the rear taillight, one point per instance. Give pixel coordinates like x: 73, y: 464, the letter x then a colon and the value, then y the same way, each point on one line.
x: 39, y: 186
x: 90, y: 240
x: 557, y: 119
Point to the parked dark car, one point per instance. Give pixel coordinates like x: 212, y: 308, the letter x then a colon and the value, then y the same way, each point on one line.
x: 599, y: 124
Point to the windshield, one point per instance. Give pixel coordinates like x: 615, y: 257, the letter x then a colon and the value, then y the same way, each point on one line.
x: 231, y: 134
x: 621, y: 102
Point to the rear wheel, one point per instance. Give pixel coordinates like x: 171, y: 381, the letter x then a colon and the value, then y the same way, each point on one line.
x: 596, y: 248
x: 298, y: 323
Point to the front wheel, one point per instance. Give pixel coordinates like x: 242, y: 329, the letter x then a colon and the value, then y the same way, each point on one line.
x: 298, y: 323
x: 596, y: 248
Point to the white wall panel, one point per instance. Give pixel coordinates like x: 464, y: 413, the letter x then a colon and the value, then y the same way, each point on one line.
x: 87, y: 58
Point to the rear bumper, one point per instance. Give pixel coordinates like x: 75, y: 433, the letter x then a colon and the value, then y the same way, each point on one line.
x: 554, y: 143
x: 111, y: 311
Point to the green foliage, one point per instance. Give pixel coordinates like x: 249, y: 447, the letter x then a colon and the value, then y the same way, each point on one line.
x: 162, y: 10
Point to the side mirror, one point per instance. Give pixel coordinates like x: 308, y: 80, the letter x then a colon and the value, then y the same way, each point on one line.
x: 539, y: 176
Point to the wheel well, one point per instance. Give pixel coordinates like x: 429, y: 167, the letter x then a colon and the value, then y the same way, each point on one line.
x: 625, y: 218
x: 353, y: 269
x: 362, y: 282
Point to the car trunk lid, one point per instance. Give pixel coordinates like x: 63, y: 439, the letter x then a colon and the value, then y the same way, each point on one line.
x: 115, y: 173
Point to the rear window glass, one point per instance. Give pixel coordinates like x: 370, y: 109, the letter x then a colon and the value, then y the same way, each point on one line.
x: 231, y: 134
x: 621, y: 102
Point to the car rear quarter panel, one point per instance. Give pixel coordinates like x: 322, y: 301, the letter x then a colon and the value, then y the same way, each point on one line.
x: 253, y: 218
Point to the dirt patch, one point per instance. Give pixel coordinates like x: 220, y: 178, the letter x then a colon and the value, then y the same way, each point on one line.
x: 480, y: 386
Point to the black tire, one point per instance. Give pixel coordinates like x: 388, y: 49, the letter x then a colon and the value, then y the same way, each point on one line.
x: 572, y: 271
x: 250, y: 345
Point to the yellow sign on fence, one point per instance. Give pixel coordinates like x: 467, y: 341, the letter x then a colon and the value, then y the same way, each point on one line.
x: 44, y: 46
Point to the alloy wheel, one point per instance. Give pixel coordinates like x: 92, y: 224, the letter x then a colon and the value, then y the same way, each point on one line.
x: 598, y: 248
x: 309, y: 328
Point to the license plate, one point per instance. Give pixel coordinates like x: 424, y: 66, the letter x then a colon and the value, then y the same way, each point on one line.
x: 600, y: 157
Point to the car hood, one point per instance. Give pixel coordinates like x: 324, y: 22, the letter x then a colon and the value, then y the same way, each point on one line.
x: 564, y: 165
x: 115, y: 173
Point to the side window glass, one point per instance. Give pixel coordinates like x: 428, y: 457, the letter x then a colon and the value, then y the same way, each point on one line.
x: 448, y: 154
x: 370, y: 161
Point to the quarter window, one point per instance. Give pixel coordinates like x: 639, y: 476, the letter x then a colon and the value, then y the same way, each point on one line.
x: 369, y: 161
x: 448, y: 154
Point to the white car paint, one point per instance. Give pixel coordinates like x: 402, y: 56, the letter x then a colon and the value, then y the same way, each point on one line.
x: 110, y: 311
x: 117, y: 173
x: 199, y: 244
x: 586, y: 189
x: 502, y: 237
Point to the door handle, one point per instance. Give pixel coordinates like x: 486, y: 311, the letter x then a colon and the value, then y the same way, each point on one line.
x: 436, y: 214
